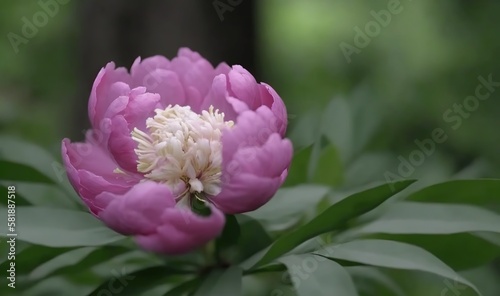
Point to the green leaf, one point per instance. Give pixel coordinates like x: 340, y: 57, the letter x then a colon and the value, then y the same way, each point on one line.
x: 298, y: 172
x: 24, y: 157
x: 431, y: 218
x: 227, y: 282
x: 392, y: 254
x: 184, y: 288
x: 136, y: 282
x: 483, y: 192
x: 289, y: 205
x: 366, y: 117
x: 306, y: 131
x: 20, y: 172
x: 373, y: 281
x: 17, y: 198
x: 75, y: 261
x: 418, y: 224
x: 328, y: 168
x: 59, y: 228
x: 333, y: 218
x: 228, y: 240
x: 32, y: 164
x: 368, y: 167
x: 253, y: 237
x: 337, y: 126
x: 39, y: 194
x: 315, y: 275
x: 451, y: 248
x: 33, y: 256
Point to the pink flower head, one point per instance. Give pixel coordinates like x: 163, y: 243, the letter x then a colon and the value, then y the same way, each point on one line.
x: 171, y: 134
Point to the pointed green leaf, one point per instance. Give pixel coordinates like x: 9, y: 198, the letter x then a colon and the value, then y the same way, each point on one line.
x: 337, y: 126
x: 27, y: 158
x: 432, y: 218
x: 290, y: 203
x: 135, y: 283
x: 76, y: 260
x: 20, y: 172
x: 380, y: 282
x: 226, y: 282
x: 391, y: 254
x: 483, y: 192
x: 315, y: 275
x: 226, y: 244
x: 332, y: 218
x: 33, y: 256
x: 59, y: 227
x: 298, y: 172
x: 253, y: 237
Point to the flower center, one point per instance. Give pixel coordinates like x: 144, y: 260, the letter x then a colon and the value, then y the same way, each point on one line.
x: 182, y: 149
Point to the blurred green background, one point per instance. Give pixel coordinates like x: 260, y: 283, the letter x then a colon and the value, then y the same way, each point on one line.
x: 427, y: 58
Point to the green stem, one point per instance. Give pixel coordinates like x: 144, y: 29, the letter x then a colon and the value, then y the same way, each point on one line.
x: 209, y: 253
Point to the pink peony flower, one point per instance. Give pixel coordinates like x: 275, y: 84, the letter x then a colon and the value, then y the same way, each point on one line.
x: 171, y: 135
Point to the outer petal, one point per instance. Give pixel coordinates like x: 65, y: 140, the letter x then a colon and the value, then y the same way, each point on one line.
x: 246, y: 192
x: 149, y: 213
x: 252, y: 129
x: 90, y: 171
x: 139, y: 210
x: 271, y: 98
x: 244, y: 87
x: 269, y: 160
x: 183, y: 231
x: 121, y: 146
x: 254, y: 175
x: 222, y: 68
x: 193, y: 56
x: 110, y: 83
x: 142, y: 72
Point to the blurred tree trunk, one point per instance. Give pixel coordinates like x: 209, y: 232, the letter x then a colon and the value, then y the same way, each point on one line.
x: 120, y: 31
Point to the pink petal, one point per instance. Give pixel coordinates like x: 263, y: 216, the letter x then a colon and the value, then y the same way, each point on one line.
x: 121, y: 145
x: 268, y: 94
x: 139, y: 210
x: 109, y: 85
x: 246, y: 192
x: 140, y: 107
x: 244, y: 87
x: 183, y: 231
x: 197, y: 73
x: 142, y: 72
x: 253, y: 175
x: 218, y: 96
x: 167, y: 84
x: 90, y: 171
x: 252, y: 128
x: 222, y: 68
x: 269, y: 160
x: 193, y: 56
